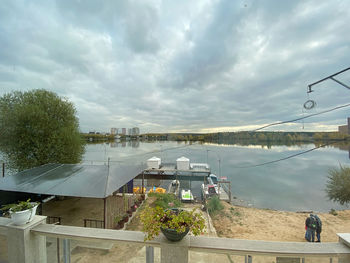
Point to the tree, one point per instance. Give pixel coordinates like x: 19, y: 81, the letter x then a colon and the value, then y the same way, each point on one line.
x: 38, y: 127
x: 338, y: 185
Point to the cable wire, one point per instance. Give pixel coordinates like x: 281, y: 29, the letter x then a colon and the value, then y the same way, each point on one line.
x: 301, y: 118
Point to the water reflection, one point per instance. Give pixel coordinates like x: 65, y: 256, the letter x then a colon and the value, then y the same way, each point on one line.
x: 294, y: 184
x: 133, y: 144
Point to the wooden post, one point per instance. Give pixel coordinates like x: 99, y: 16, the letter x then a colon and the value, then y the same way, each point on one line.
x: 105, y: 213
x: 229, y: 190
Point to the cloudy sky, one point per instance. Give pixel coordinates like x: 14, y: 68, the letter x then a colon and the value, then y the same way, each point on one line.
x: 167, y: 66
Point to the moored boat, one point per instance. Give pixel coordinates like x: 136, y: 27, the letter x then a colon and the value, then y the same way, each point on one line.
x: 174, y: 187
x: 186, y: 195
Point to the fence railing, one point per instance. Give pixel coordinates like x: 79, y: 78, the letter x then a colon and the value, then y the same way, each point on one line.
x: 27, y: 244
x: 93, y: 223
x: 57, y: 220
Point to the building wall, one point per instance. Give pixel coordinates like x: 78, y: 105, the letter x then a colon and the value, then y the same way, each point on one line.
x: 345, y: 128
x: 117, y: 205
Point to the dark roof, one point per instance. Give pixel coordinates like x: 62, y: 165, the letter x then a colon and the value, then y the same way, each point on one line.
x: 80, y: 180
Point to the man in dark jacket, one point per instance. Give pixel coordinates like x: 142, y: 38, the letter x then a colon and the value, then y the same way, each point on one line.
x: 310, y: 225
x: 318, y: 228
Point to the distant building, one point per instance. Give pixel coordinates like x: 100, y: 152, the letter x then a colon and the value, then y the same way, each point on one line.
x: 129, y: 131
x: 114, y: 131
x: 135, y: 131
x: 124, y: 131
x: 345, y: 128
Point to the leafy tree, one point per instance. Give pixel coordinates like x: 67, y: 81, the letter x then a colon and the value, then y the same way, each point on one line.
x: 38, y: 127
x: 338, y: 185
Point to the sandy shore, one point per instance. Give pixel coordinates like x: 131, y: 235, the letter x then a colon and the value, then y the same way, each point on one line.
x: 271, y: 225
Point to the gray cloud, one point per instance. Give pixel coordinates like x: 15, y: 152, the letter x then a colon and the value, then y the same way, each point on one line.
x: 180, y: 66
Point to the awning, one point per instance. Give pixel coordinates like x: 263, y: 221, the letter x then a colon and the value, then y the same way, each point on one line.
x: 79, y: 180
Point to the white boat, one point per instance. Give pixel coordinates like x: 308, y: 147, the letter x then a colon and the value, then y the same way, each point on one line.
x: 174, y: 187
x: 186, y: 196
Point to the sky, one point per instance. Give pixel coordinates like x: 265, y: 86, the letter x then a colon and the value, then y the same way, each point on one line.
x: 181, y: 66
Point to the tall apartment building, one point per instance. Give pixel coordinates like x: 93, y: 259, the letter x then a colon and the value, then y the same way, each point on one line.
x: 114, y: 131
x: 124, y: 131
x: 135, y: 131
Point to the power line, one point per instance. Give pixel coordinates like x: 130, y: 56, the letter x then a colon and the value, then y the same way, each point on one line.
x: 301, y: 118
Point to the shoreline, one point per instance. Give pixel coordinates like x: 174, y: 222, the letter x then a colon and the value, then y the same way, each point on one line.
x: 274, y: 225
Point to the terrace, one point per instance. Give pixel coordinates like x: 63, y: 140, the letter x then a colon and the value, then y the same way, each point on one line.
x: 28, y: 244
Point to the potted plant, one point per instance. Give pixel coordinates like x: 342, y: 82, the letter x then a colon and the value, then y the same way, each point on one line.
x: 119, y: 222
x: 129, y: 212
x: 125, y: 218
x: 173, y: 223
x: 22, y: 212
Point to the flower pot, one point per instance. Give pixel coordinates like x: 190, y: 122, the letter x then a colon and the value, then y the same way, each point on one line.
x: 125, y: 218
x: 173, y: 235
x: 23, y: 217
x: 120, y: 225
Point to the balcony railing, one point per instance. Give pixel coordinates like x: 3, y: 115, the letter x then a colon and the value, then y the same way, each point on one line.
x: 27, y: 244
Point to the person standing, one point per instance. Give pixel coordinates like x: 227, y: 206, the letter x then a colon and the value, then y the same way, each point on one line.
x: 310, y: 226
x: 318, y: 228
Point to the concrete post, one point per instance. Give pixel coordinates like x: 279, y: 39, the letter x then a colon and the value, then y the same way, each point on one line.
x: 174, y: 252
x: 345, y: 239
x: 23, y: 245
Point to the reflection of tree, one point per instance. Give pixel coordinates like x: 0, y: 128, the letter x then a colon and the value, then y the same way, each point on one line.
x: 338, y: 185
x: 39, y: 127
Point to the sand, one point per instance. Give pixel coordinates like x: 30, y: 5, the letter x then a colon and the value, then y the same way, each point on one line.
x: 233, y: 222
x: 271, y: 225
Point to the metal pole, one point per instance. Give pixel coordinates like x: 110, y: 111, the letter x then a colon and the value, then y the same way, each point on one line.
x: 248, y: 259
x: 66, y: 250
x: 329, y: 77
x: 149, y: 254
x: 58, y: 250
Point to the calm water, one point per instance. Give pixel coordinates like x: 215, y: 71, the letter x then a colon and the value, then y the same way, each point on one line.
x: 296, y: 184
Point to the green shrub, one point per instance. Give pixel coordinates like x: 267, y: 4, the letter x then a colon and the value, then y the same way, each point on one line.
x: 338, y: 185
x: 165, y: 200
x: 214, y: 205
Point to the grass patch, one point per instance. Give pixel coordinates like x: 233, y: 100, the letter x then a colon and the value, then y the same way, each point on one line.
x: 333, y: 212
x: 165, y: 200
x: 214, y: 205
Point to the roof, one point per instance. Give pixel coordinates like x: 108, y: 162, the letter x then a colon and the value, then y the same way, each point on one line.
x: 79, y: 180
x: 183, y: 158
x: 154, y: 158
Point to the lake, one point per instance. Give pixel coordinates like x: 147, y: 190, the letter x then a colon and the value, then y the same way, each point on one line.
x: 295, y: 184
